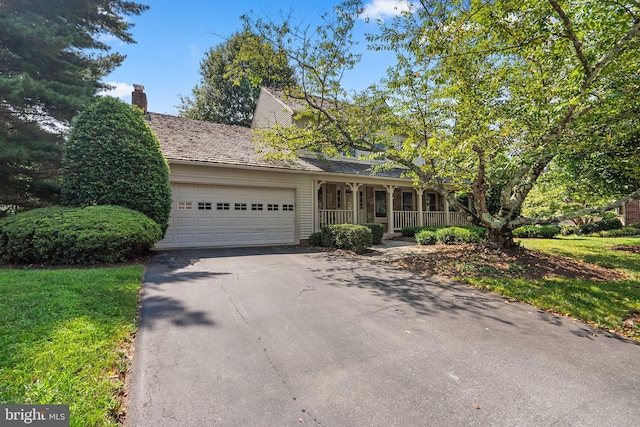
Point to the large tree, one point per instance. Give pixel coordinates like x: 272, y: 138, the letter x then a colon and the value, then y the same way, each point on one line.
x: 493, y: 94
x: 50, y: 64
x: 231, y: 76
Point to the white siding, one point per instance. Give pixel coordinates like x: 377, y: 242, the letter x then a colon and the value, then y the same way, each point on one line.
x: 270, y: 111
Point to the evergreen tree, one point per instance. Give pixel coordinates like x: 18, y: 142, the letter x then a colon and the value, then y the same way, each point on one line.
x: 231, y: 76
x: 114, y: 158
x: 49, y: 66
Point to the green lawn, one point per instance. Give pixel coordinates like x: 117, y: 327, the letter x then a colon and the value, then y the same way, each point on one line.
x: 606, y: 304
x: 62, y: 335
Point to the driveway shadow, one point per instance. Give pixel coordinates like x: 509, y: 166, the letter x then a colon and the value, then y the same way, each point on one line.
x: 426, y: 295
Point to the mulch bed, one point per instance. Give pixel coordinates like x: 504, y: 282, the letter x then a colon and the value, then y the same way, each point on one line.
x: 633, y: 249
x: 469, y: 261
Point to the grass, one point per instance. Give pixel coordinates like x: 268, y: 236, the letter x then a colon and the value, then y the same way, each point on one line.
x: 605, y: 304
x: 63, y: 338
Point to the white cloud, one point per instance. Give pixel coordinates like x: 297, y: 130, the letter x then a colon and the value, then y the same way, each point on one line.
x: 381, y: 9
x: 118, y: 90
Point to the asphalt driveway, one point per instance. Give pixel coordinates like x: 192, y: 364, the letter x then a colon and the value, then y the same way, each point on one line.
x: 285, y: 336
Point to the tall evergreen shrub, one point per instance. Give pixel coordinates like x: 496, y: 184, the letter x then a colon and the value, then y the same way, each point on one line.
x: 113, y: 158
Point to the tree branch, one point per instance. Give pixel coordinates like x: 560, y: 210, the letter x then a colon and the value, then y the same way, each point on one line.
x: 571, y: 215
x: 568, y: 26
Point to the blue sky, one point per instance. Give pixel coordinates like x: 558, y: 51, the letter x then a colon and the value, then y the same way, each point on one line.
x: 173, y: 36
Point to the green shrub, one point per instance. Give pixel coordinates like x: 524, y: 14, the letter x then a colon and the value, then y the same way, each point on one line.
x: 70, y: 236
x: 409, y: 231
x: 113, y: 158
x: 456, y: 236
x: 426, y: 237
x: 621, y: 232
x: 597, y: 226
x: 568, y: 230
x: 536, y: 231
x: 377, y: 231
x: 353, y: 237
x: 412, y: 231
x: 316, y: 239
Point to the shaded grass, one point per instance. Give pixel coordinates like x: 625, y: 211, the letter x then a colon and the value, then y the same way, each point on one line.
x: 594, y: 250
x: 605, y: 304
x: 63, y: 338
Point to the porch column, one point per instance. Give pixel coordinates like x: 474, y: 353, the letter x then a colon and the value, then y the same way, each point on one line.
x: 354, y: 200
x: 316, y: 207
x: 420, y: 192
x: 390, y: 189
x: 447, y: 217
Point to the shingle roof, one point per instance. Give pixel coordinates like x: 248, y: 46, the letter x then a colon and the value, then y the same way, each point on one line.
x: 200, y: 141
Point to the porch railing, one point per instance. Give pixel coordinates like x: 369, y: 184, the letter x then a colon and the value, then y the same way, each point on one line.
x: 329, y: 217
x: 403, y: 219
x: 435, y: 218
x: 456, y: 218
x: 400, y: 218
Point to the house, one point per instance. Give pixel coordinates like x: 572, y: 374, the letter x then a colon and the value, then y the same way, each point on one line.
x: 225, y: 194
x: 630, y: 212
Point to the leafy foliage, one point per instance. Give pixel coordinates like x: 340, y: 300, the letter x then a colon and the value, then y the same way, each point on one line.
x: 426, y: 237
x: 412, y: 231
x: 377, y: 231
x: 353, y: 237
x: 537, y: 231
x: 73, y: 236
x: 231, y: 76
x: 49, y: 66
x: 492, y: 95
x: 113, y: 158
x: 316, y: 238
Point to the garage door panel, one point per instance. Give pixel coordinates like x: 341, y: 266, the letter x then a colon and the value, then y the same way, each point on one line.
x: 205, y: 215
x: 184, y: 222
x: 183, y: 239
x: 205, y: 222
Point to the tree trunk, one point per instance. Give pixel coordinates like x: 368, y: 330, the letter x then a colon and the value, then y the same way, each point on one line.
x: 501, y: 239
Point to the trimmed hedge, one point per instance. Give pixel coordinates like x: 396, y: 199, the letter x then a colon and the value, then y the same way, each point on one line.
x: 377, y: 231
x: 621, y: 232
x: 316, y: 239
x: 76, y: 236
x: 353, y: 237
x: 412, y: 231
x: 426, y: 237
x: 591, y: 227
x: 112, y: 157
x: 536, y: 231
x: 447, y: 236
x: 456, y: 236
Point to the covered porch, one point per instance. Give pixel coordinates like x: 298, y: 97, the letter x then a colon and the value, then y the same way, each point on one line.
x: 394, y: 205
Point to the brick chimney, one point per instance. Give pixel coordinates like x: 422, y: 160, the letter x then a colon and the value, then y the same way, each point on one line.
x: 139, y: 98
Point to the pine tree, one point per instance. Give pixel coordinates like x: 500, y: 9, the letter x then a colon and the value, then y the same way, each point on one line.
x: 48, y: 68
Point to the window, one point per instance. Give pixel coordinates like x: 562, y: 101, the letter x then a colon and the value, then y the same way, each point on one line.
x: 381, y: 204
x: 222, y: 206
x: 287, y: 207
x: 240, y: 206
x: 204, y: 206
x: 361, y: 201
x: 256, y: 206
x: 431, y: 202
x: 339, y: 199
x: 272, y: 207
x: 183, y: 206
x: 348, y: 199
x: 407, y: 201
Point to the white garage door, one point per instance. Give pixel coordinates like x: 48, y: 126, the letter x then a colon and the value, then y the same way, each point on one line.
x: 206, y: 216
